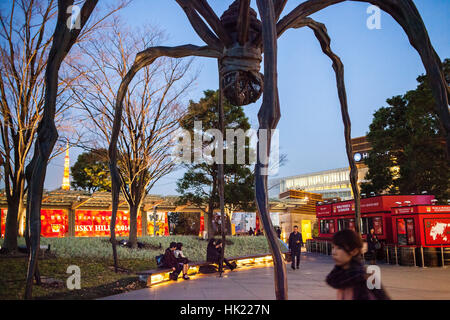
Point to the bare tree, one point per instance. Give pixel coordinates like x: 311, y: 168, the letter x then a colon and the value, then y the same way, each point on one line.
x: 67, y: 32
x: 151, y: 114
x: 24, y: 50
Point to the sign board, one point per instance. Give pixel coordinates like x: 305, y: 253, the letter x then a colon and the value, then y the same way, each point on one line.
x: 323, y: 210
x: 437, y: 231
x: 54, y: 223
x: 92, y: 223
x: 421, y: 209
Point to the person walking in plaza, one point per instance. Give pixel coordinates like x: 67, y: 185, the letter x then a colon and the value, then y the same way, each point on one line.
x: 279, y: 232
x: 295, y: 247
x: 349, y: 276
x: 251, y: 232
x: 373, y: 245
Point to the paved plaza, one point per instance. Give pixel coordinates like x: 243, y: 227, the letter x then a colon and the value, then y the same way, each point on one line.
x: 307, y: 283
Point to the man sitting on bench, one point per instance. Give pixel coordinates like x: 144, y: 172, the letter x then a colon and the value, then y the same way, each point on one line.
x: 170, y: 261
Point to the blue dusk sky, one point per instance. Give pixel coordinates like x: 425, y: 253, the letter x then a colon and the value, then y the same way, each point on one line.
x: 379, y: 64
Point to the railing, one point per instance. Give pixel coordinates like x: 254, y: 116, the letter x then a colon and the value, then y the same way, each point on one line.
x: 418, y: 256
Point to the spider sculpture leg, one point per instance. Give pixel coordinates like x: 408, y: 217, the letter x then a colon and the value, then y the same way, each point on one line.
x: 320, y: 31
x: 143, y: 59
x: 268, y: 117
x: 407, y: 15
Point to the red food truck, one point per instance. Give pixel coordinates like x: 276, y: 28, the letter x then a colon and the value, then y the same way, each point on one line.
x: 375, y: 213
x: 421, y: 225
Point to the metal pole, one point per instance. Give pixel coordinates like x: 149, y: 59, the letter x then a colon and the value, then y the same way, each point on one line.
x: 221, y: 170
x: 396, y: 257
x: 414, y: 255
x: 326, y: 247
x: 423, y: 260
x: 387, y: 254
x: 442, y: 256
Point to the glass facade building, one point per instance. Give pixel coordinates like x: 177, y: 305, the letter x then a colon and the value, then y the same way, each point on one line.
x: 330, y: 183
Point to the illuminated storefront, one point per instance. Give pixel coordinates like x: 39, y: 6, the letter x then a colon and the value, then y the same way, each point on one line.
x: 54, y: 223
x: 421, y: 225
x: 330, y: 183
x: 91, y: 223
x: 375, y: 213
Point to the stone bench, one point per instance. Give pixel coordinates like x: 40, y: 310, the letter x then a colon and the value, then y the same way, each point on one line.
x: 160, y: 275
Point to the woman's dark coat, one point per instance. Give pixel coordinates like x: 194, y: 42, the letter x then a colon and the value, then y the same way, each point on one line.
x: 355, y: 277
x: 371, y: 241
x: 169, y: 259
x: 212, y: 254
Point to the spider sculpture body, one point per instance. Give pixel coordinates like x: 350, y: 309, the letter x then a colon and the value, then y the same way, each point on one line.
x: 238, y: 40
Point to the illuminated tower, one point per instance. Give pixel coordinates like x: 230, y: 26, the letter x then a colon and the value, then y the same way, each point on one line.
x: 66, y: 182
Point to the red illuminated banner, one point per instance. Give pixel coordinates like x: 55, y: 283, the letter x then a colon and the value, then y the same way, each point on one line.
x: 437, y: 231
x: 97, y: 223
x: 323, y: 210
x: 422, y: 209
x: 166, y: 224
x: 3, y: 221
x: 202, y: 222
x: 54, y: 223
x: 345, y: 207
x: 379, y: 203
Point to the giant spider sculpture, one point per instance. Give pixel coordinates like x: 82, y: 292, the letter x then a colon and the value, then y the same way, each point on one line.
x: 238, y: 40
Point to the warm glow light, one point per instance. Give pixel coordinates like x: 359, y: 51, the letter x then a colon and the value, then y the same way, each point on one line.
x: 248, y: 263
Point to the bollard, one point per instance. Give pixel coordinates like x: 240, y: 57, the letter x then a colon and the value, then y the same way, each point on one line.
x: 442, y: 257
x: 396, y: 257
x: 423, y: 260
x: 414, y: 256
x: 387, y: 254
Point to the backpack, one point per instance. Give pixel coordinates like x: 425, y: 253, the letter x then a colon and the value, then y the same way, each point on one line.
x: 160, y: 261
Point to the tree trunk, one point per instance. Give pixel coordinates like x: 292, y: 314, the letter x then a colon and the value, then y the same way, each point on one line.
x: 21, y: 216
x: 208, y: 223
x: 10, y: 242
x: 132, y: 238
